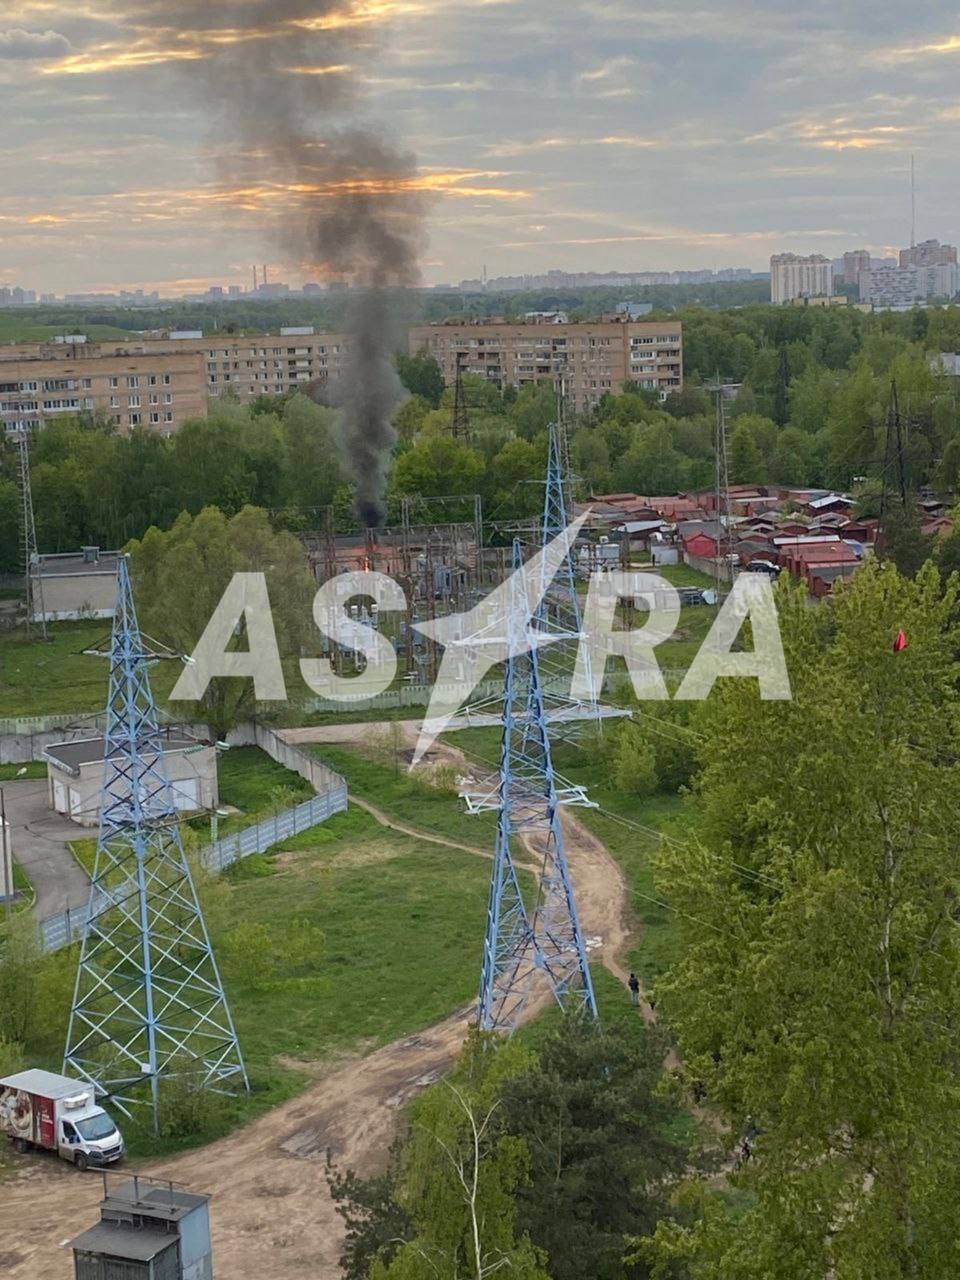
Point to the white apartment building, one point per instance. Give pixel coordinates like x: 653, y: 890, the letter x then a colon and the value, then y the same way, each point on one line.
x: 793, y: 276
x: 900, y: 288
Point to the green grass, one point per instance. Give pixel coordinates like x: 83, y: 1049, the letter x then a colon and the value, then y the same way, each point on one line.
x: 32, y: 769
x: 54, y: 677
x: 682, y: 575
x: 408, y: 799
x: 402, y: 924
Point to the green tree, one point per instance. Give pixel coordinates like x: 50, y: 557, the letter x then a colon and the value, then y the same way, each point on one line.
x: 422, y: 376
x: 438, y: 465
x: 180, y: 576
x: 460, y: 1175
x: 817, y: 992
x: 602, y: 1157
x: 634, y: 762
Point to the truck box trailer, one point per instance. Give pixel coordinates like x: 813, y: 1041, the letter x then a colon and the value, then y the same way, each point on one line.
x: 55, y: 1113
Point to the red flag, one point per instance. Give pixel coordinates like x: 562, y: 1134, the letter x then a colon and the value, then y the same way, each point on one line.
x: 901, y: 642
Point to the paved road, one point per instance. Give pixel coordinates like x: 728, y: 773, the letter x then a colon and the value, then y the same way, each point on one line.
x: 39, y: 840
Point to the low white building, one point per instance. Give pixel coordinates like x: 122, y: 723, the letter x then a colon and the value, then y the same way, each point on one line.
x: 78, y: 585
x: 75, y: 772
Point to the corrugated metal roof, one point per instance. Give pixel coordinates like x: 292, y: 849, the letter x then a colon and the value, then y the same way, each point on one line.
x: 47, y: 1085
x: 124, y: 1242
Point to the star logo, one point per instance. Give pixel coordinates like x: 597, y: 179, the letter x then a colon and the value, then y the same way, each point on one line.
x: 500, y: 627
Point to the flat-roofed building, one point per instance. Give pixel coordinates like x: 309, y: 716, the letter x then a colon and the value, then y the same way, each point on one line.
x: 251, y: 365
x: 159, y: 390
x: 595, y: 358
x: 77, y: 585
x: 793, y: 275
x: 160, y: 382
x: 75, y: 776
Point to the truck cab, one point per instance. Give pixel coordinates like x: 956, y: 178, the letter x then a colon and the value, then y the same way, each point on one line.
x: 88, y: 1137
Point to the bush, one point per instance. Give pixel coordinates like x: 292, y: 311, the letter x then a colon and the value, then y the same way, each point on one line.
x: 190, y: 1110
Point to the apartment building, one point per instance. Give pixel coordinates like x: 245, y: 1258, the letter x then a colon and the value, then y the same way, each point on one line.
x: 159, y: 391
x: 794, y: 276
x: 929, y: 253
x: 596, y: 359
x: 900, y: 288
x: 255, y: 364
x: 159, y: 382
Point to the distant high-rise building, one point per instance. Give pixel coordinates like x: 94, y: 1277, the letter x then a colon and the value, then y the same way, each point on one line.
x: 854, y: 264
x: 793, y: 276
x: 929, y: 253
x: 899, y: 288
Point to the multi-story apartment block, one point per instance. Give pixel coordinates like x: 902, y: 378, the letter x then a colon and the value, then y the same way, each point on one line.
x: 159, y: 383
x: 595, y: 359
x: 793, y: 276
x: 854, y: 264
x: 257, y: 364
x: 900, y: 288
x: 929, y: 253
x: 157, y: 391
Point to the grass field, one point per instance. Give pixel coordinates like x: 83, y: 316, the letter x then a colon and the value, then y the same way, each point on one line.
x: 409, y: 799
x: 402, y: 926
x: 54, y: 677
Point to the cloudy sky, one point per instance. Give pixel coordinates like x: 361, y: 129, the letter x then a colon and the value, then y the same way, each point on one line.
x: 581, y: 134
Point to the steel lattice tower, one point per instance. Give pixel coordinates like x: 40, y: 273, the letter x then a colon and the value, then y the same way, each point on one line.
x: 149, y: 1004
x: 28, y: 537
x: 548, y: 939
x: 560, y: 614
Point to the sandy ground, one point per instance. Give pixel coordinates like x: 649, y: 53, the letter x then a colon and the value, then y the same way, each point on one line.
x: 272, y: 1213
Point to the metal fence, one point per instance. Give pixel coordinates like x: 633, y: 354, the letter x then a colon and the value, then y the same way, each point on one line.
x: 59, y: 931
x: 273, y: 831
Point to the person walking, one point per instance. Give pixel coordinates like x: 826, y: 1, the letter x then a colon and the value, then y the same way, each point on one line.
x: 634, y: 985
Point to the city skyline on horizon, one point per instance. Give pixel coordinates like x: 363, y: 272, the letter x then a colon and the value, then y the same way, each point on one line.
x: 541, y: 136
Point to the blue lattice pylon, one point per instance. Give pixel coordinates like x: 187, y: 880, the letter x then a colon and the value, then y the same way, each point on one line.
x: 520, y: 942
x: 560, y: 614
x: 148, y: 1004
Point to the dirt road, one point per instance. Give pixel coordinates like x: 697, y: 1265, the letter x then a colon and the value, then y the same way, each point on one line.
x: 272, y: 1212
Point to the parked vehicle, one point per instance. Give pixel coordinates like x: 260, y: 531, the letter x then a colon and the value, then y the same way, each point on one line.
x: 764, y: 566
x: 54, y: 1113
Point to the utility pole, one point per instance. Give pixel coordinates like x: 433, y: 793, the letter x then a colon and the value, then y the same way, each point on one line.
x: 894, y: 460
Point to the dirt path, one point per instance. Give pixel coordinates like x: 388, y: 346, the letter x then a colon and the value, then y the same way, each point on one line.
x: 272, y: 1213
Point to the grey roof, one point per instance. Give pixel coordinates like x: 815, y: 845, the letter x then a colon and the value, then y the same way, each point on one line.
x: 690, y: 528
x: 165, y: 1203
x: 69, y: 566
x: 74, y: 755
x: 830, y: 572
x: 124, y: 1242
x: 46, y: 1084
x: 642, y: 526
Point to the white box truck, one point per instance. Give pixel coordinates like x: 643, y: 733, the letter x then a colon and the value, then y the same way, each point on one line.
x: 54, y: 1113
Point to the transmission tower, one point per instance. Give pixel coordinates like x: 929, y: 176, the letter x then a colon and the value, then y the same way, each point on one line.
x: 521, y: 943
x: 461, y: 413
x: 722, y: 478
x: 149, y: 1004
x: 894, y: 481
x: 28, y: 538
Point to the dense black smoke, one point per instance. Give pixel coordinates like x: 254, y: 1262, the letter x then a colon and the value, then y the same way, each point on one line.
x: 278, y: 79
